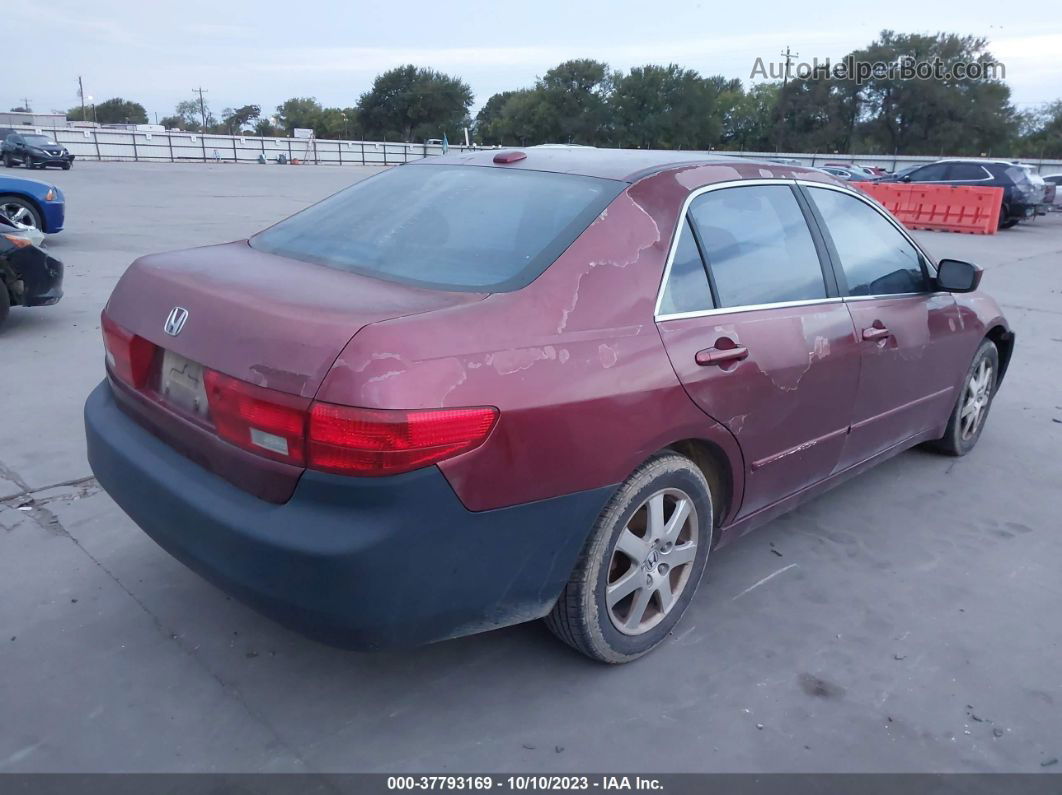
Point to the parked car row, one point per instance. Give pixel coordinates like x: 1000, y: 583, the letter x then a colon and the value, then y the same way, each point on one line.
x: 29, y: 275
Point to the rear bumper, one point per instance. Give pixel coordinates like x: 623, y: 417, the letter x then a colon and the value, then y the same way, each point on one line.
x: 361, y: 563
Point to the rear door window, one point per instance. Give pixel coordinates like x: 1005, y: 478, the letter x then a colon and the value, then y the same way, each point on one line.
x: 687, y: 288
x: 472, y: 228
x: 758, y: 246
x: 875, y: 257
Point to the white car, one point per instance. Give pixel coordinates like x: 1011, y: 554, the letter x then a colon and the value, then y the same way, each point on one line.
x: 1056, y: 180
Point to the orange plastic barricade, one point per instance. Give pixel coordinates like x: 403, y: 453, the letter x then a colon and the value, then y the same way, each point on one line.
x: 945, y: 208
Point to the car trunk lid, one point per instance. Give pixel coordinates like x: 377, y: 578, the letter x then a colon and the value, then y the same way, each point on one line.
x: 262, y: 319
x: 272, y: 321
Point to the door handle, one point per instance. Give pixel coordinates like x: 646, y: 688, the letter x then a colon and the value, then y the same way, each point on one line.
x: 875, y: 333
x: 710, y: 356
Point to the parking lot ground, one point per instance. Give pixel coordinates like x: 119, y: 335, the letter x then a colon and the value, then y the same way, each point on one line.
x: 907, y: 621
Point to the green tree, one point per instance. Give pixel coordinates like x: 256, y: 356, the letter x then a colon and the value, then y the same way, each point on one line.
x: 411, y: 104
x: 236, y: 119
x: 817, y: 114
x: 265, y: 129
x: 112, y: 111
x: 1042, y: 132
x: 570, y: 103
x: 488, y: 124
x: 749, y: 118
x: 666, y: 107
x: 934, y: 116
x: 302, y: 112
x: 189, y: 116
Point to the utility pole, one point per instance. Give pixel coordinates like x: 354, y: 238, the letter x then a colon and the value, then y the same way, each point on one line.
x: 26, y: 104
x: 81, y: 93
x: 789, y: 56
x: 202, y: 105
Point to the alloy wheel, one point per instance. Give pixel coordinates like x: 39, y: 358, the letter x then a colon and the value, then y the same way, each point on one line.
x: 651, y: 561
x: 19, y: 215
x: 975, y: 400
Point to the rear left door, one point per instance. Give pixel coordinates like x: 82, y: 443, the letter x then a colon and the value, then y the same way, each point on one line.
x: 757, y: 334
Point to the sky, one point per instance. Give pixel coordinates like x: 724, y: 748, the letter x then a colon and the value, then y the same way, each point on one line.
x: 265, y: 51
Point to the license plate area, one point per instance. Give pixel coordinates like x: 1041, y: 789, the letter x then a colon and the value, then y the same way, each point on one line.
x: 181, y: 386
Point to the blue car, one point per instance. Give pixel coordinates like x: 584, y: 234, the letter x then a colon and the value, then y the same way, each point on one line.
x: 28, y: 203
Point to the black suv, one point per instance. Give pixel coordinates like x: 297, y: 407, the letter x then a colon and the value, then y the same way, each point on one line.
x: 1023, y: 191
x: 34, y: 150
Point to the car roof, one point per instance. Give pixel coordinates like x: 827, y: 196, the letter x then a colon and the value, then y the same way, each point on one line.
x: 626, y: 165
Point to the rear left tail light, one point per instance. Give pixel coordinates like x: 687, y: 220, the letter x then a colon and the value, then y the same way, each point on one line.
x: 261, y: 420
x: 128, y: 355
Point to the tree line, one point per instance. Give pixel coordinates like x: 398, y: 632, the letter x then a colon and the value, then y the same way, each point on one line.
x: 584, y: 101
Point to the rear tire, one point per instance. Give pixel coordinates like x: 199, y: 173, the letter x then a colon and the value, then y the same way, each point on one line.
x: 641, y: 564
x: 975, y: 399
x: 8, y: 162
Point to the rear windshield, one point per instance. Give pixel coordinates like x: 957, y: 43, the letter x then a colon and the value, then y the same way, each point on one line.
x: 469, y: 228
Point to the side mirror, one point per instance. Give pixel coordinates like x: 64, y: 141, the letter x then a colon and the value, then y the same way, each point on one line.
x: 957, y: 276
x: 905, y: 178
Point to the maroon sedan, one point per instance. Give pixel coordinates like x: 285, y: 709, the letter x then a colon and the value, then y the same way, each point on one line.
x: 487, y: 388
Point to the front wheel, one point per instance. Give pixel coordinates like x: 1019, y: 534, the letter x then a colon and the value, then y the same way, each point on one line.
x: 641, y: 565
x: 66, y: 166
x: 975, y: 399
x: 20, y: 212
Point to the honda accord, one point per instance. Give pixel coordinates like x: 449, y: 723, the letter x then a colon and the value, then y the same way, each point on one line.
x: 488, y: 388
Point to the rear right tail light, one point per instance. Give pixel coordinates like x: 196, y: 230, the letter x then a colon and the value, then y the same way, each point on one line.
x: 356, y: 441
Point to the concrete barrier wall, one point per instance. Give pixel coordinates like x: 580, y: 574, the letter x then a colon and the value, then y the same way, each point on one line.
x: 108, y: 144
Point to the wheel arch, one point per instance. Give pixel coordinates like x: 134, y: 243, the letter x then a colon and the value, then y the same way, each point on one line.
x: 1004, y: 342
x: 716, y: 467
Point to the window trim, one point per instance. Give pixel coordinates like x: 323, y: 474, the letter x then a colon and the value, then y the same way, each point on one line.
x: 825, y: 263
x: 929, y: 265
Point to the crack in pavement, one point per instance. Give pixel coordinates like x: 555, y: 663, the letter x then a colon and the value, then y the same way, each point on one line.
x: 48, y: 521
x: 11, y: 476
x: 86, y: 488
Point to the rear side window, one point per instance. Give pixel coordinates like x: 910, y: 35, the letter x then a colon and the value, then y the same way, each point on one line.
x: 687, y: 288
x: 875, y: 257
x: 470, y: 228
x: 758, y: 246
x: 967, y: 171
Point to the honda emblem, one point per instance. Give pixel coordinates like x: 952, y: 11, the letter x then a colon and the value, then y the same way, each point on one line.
x: 176, y: 320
